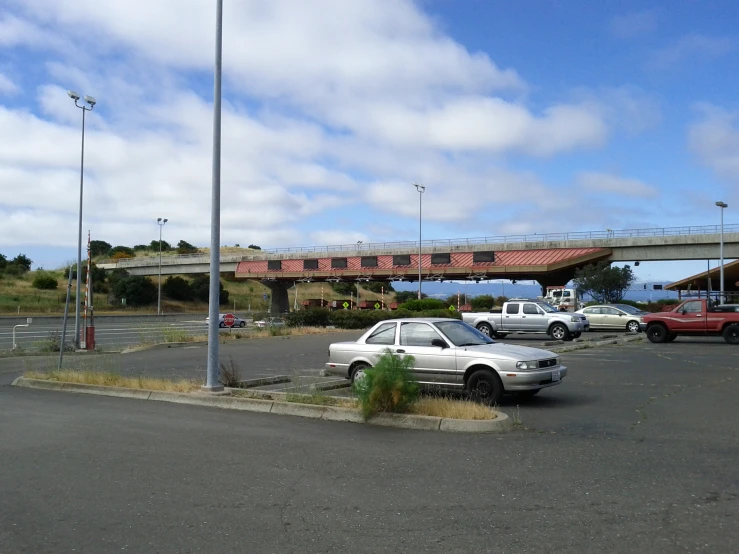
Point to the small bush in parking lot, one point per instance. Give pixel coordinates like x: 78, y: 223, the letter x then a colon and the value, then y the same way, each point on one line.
x: 230, y: 375
x: 388, y: 386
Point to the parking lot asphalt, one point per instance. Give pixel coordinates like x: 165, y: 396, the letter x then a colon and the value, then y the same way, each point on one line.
x: 635, y: 452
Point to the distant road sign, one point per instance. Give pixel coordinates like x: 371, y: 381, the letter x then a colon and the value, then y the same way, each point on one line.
x: 451, y: 308
x: 229, y: 320
x: 346, y: 305
x: 377, y: 306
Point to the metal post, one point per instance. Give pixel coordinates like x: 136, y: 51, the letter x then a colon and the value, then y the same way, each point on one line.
x: 88, y: 101
x: 161, y: 223
x: 722, y: 298
x: 64, y: 321
x: 212, y: 384
x: 420, y: 189
x: 79, y: 241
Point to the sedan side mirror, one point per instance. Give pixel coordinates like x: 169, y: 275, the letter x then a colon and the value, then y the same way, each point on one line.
x: 440, y: 343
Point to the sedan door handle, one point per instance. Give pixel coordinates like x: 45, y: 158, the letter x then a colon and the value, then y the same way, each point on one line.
x: 400, y: 351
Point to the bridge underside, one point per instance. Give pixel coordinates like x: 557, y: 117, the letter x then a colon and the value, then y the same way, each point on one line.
x: 548, y: 267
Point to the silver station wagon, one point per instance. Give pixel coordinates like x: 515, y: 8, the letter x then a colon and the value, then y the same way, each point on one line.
x: 451, y: 354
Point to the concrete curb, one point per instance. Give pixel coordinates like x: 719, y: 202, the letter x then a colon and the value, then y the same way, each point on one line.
x: 500, y: 424
x: 585, y: 345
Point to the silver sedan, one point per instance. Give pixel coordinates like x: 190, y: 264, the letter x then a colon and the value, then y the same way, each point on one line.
x: 614, y: 316
x: 451, y: 354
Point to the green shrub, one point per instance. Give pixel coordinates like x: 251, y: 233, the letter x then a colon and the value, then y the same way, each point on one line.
x: 357, y: 319
x: 482, y: 303
x: 423, y: 305
x: 387, y: 387
x: 311, y: 317
x: 177, y: 288
x: 44, y: 281
x: 668, y: 302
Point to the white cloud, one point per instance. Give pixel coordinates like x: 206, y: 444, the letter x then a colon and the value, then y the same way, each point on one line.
x: 7, y: 86
x: 714, y: 138
x: 596, y: 183
x: 690, y: 47
x: 330, y: 107
x: 634, y: 24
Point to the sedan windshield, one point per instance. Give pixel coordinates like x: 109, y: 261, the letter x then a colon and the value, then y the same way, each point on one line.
x: 462, y: 334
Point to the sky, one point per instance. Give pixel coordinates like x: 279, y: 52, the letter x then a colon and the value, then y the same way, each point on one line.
x: 518, y: 117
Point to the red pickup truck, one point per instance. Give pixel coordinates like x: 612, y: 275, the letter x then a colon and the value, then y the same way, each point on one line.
x: 693, y: 317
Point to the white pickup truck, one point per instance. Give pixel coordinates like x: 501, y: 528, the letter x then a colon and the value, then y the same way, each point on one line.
x: 528, y: 316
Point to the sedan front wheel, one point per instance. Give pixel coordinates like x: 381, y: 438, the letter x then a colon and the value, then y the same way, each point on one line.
x: 632, y: 326
x: 485, y: 386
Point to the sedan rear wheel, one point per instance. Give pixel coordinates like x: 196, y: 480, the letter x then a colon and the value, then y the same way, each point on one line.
x: 242, y: 324
x: 632, y: 326
x: 485, y: 386
x: 358, y: 371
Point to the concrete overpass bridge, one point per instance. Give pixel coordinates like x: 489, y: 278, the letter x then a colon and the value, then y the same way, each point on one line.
x: 551, y: 258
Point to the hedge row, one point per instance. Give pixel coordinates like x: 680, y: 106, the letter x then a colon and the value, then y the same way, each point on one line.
x: 355, y: 319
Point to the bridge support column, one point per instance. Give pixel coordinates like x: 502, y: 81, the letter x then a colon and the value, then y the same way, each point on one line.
x: 279, y: 303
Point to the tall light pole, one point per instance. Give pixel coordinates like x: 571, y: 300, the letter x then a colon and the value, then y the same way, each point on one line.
x: 86, y: 106
x: 212, y: 383
x: 722, y: 205
x: 421, y: 189
x: 161, y: 223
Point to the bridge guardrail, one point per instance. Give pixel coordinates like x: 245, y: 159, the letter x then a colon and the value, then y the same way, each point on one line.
x: 502, y: 239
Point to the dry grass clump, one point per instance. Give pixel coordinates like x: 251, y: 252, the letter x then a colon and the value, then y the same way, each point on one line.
x: 451, y: 408
x: 108, y: 379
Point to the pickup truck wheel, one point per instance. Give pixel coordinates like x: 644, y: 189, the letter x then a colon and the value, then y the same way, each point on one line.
x: 671, y: 337
x: 485, y: 329
x: 500, y: 335
x: 657, y: 333
x: 560, y: 332
x: 485, y: 386
x: 357, y: 372
x: 731, y: 334
x: 632, y: 326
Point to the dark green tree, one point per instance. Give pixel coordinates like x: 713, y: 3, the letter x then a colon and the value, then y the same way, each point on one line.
x: 140, y: 247
x: 405, y: 295
x: 344, y: 288
x: 177, y: 288
x: 22, y: 261
x: 184, y: 247
x: 603, y: 282
x: 3, y: 262
x: 482, y: 303
x: 136, y: 289
x: 201, y: 289
x: 99, y: 248
x: 254, y: 247
x: 124, y: 249
x: 116, y: 275
x: 154, y: 246
x: 377, y: 286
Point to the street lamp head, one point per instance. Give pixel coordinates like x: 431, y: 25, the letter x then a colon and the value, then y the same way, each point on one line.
x: 722, y: 204
x: 73, y: 95
x: 165, y: 221
x: 159, y: 219
x: 419, y: 188
x: 90, y: 100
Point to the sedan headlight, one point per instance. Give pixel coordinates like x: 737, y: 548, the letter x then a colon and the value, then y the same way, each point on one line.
x: 527, y: 365
x: 575, y: 319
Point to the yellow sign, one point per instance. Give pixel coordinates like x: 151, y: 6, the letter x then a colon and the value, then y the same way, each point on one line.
x: 346, y: 305
x: 451, y: 308
x: 377, y: 306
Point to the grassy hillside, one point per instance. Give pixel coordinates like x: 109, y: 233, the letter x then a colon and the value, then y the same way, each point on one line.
x: 17, y: 296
